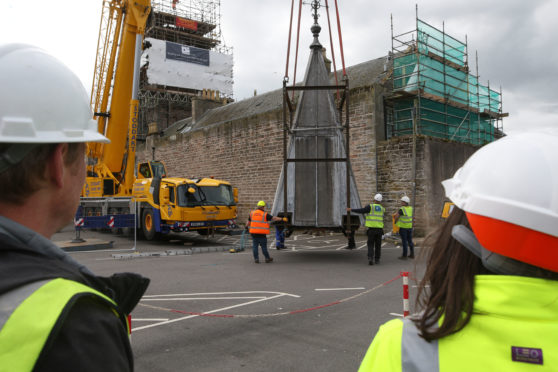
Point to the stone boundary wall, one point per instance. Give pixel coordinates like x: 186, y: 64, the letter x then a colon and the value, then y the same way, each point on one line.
x: 248, y: 152
x: 436, y: 160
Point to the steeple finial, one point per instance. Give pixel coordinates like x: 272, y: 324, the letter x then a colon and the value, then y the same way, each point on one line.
x: 315, y: 27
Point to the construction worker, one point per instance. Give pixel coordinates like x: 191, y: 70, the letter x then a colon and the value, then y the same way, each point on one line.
x: 279, y: 236
x: 258, y: 226
x: 404, y: 219
x: 55, y: 314
x: 488, y: 299
x: 375, y: 222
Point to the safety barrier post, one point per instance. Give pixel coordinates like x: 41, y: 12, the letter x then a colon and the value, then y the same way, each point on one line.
x: 129, y: 321
x: 405, y: 276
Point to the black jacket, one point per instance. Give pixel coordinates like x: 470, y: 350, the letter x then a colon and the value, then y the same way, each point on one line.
x: 88, y: 336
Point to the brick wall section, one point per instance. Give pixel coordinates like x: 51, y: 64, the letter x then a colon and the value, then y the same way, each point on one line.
x: 248, y: 152
x: 363, y: 141
x: 436, y: 161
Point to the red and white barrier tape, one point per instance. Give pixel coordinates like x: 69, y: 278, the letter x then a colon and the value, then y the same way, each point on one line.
x: 277, y: 314
x: 405, y: 276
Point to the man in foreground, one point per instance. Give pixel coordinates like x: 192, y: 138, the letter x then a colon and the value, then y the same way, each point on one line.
x: 55, y: 314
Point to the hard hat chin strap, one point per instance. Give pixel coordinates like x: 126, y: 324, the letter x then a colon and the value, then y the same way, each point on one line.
x: 14, y: 154
x: 495, y: 262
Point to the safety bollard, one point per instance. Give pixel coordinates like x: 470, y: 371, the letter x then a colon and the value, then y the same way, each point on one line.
x: 405, y: 276
x: 129, y: 321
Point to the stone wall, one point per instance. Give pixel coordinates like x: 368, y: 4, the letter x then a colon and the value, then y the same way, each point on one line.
x: 436, y: 160
x: 248, y: 152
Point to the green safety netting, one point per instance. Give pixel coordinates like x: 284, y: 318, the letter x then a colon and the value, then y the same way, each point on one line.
x: 411, y: 72
x: 435, y: 41
x: 446, y: 81
x: 436, y: 119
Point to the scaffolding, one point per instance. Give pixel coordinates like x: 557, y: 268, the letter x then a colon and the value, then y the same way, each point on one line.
x: 434, y: 92
x: 195, y: 23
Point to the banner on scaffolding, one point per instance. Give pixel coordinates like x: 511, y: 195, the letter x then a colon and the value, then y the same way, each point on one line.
x: 187, y: 53
x: 216, y: 73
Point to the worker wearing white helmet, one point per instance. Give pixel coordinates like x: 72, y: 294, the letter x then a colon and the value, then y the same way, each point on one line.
x: 55, y: 314
x: 375, y: 223
x: 404, y: 219
x: 489, y: 298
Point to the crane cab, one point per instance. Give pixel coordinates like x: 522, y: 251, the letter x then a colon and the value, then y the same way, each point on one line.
x: 151, y: 169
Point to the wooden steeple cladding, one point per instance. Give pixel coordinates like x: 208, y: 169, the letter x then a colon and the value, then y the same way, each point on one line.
x: 318, y: 187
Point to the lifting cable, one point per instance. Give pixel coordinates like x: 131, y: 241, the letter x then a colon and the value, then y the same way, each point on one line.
x: 331, y: 47
x: 340, y: 39
x: 296, y: 51
x: 286, y: 78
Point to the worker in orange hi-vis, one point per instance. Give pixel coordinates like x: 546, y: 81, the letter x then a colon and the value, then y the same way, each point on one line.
x: 488, y: 298
x: 258, y: 226
x: 55, y: 314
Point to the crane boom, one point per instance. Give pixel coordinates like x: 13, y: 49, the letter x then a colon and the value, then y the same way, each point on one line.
x: 114, y: 196
x: 117, y: 66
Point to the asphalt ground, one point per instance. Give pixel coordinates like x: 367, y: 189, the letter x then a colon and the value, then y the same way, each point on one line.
x: 317, y: 306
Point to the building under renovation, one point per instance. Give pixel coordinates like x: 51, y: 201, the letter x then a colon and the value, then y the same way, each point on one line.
x: 183, y: 59
x: 416, y: 115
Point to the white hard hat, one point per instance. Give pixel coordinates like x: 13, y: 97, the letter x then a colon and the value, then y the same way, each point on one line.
x: 378, y: 197
x: 406, y: 199
x: 42, y: 100
x: 509, y: 190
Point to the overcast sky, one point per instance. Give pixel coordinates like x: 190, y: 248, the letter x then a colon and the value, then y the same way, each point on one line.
x: 515, y: 40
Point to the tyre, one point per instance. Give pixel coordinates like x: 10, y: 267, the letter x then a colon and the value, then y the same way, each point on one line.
x: 148, y: 224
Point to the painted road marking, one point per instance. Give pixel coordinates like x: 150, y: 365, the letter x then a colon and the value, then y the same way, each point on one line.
x: 338, y: 289
x: 150, y: 319
x: 200, y: 298
x: 278, y: 294
x: 217, y: 293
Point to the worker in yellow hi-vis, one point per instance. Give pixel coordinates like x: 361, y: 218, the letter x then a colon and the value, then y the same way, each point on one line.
x: 488, y: 297
x: 404, y: 219
x: 55, y: 314
x: 374, y: 213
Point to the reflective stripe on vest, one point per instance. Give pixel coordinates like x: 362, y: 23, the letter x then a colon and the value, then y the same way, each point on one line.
x: 258, y: 224
x: 376, y: 216
x: 28, y: 315
x: 406, y: 220
x: 417, y: 355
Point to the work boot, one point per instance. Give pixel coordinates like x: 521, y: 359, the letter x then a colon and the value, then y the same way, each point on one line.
x: 412, y: 255
x: 256, y: 261
x: 370, y: 262
x: 402, y: 257
x: 268, y: 260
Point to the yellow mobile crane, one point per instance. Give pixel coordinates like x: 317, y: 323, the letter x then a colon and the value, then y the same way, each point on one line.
x: 113, y: 195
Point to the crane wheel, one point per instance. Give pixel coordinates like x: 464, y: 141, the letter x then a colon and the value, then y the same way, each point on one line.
x: 148, y: 224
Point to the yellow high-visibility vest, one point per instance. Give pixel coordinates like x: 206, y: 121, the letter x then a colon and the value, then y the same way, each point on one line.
x: 376, y: 216
x: 29, y: 314
x: 513, y: 328
x: 406, y: 220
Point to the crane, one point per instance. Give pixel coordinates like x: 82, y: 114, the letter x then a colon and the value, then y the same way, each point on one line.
x: 116, y: 193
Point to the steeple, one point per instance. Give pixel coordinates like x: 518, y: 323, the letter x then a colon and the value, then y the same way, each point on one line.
x: 316, y: 184
x: 315, y: 27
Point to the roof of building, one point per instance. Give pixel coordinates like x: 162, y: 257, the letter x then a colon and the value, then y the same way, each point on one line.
x: 361, y: 75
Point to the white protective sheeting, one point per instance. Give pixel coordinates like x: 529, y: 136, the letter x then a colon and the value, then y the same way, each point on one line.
x: 217, y: 76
